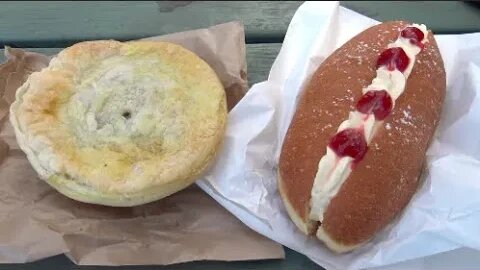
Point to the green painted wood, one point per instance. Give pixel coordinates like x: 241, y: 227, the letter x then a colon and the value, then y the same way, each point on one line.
x: 259, y: 59
x: 61, y: 23
x: 58, y: 24
x: 441, y: 17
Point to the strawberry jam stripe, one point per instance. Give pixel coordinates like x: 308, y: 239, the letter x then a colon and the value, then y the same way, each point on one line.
x: 350, y: 144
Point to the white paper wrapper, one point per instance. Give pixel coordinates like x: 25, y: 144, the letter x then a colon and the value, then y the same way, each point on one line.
x: 443, y: 216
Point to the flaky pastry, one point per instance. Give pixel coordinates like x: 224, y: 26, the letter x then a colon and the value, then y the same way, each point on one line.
x: 120, y: 123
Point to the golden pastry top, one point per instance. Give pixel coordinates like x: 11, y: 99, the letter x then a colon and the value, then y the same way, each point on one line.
x: 120, y: 120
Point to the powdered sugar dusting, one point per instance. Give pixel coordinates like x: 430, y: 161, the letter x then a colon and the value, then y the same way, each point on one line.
x: 327, y: 126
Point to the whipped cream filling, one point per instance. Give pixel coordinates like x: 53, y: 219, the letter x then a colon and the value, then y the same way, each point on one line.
x: 334, y: 170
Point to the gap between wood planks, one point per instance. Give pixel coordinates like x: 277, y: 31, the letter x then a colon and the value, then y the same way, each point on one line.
x: 260, y: 58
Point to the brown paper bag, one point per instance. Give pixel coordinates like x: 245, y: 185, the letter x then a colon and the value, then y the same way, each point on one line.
x: 37, y: 222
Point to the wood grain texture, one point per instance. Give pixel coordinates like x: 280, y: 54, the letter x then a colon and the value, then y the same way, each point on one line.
x: 259, y: 59
x: 59, y: 24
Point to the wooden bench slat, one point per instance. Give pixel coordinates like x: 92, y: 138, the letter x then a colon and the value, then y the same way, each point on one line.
x: 59, y: 24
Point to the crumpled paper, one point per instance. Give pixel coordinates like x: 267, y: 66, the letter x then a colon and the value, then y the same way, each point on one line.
x: 443, y: 216
x: 37, y: 222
